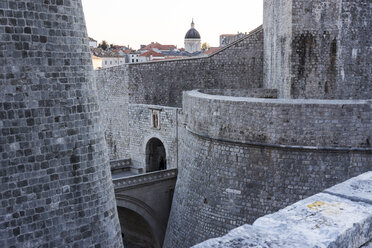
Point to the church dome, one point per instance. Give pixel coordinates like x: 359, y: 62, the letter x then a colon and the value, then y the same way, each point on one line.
x: 192, y: 33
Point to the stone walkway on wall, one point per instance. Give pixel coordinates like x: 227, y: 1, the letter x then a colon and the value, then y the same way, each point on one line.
x: 340, y: 216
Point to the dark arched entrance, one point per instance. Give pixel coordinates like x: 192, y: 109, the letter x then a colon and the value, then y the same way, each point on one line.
x: 155, y: 155
x: 136, y: 232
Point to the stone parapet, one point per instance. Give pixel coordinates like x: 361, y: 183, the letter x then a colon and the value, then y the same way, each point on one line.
x: 146, y: 178
x: 341, y: 216
x: 120, y: 164
x: 297, y: 122
x: 243, y: 158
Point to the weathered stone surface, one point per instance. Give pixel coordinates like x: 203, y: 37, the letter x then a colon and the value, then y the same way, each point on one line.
x: 229, y: 176
x: 322, y: 220
x: 356, y: 189
x: 298, y: 122
x: 318, y: 49
x: 113, y: 99
x: 161, y: 83
x: 56, y: 188
x: 141, y: 131
x: 248, y: 236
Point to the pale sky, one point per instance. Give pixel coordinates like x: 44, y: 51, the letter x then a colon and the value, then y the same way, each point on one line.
x: 136, y: 22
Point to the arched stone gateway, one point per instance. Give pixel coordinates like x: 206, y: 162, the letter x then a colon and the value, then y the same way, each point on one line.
x: 144, y: 203
x: 139, y: 223
x: 135, y: 230
x: 155, y: 155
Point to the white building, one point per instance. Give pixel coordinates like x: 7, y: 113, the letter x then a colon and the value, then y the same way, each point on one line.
x: 104, y: 59
x: 93, y: 43
x: 192, y: 40
x: 109, y: 61
x: 135, y: 57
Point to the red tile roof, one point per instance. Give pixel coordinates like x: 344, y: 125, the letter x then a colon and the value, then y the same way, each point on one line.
x: 211, y: 50
x: 159, y: 46
x: 128, y: 51
x: 151, y: 53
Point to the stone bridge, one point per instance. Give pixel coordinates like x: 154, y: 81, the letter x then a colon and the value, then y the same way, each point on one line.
x: 144, y: 203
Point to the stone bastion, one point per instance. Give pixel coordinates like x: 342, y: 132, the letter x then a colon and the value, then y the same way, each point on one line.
x: 56, y: 188
x: 246, y: 157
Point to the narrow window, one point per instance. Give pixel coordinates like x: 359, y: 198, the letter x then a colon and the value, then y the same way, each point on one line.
x: 155, y: 121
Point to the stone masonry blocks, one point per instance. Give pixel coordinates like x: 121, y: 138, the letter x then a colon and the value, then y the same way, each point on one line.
x: 56, y: 188
x: 243, y: 158
x: 318, y: 49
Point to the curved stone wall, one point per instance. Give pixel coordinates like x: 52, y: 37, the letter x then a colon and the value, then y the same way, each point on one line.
x: 246, y: 157
x: 56, y: 188
x: 324, y: 123
x: 254, y: 92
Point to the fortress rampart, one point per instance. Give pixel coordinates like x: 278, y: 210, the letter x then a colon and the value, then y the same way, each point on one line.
x: 238, y: 66
x: 113, y: 96
x: 298, y: 123
x: 246, y: 157
x: 56, y: 188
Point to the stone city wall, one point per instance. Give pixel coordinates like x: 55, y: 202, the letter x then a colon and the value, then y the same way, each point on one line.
x: 114, y: 101
x: 255, y: 92
x: 318, y: 49
x: 56, y: 188
x: 340, y: 216
x: 320, y: 123
x: 238, y: 65
x: 243, y: 158
x: 141, y: 131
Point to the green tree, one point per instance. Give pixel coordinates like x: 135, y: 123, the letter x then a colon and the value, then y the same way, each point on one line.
x: 205, y: 46
x: 103, y: 45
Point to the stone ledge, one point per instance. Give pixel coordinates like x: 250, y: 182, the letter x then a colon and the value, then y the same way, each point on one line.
x: 355, y: 189
x: 322, y: 220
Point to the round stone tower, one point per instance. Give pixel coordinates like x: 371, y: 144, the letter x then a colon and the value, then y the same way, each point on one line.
x: 245, y: 157
x: 192, y: 40
x: 56, y: 188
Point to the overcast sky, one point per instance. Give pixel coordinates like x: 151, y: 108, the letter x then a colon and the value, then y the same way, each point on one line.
x: 136, y: 22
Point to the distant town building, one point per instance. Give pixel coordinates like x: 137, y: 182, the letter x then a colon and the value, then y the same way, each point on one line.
x: 157, y: 47
x: 93, y: 43
x: 104, y: 59
x: 151, y: 55
x: 192, y: 40
x: 226, y: 39
x: 97, y: 62
x: 134, y: 57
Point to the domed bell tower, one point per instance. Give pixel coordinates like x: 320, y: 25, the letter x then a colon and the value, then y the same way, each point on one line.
x: 192, y: 40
